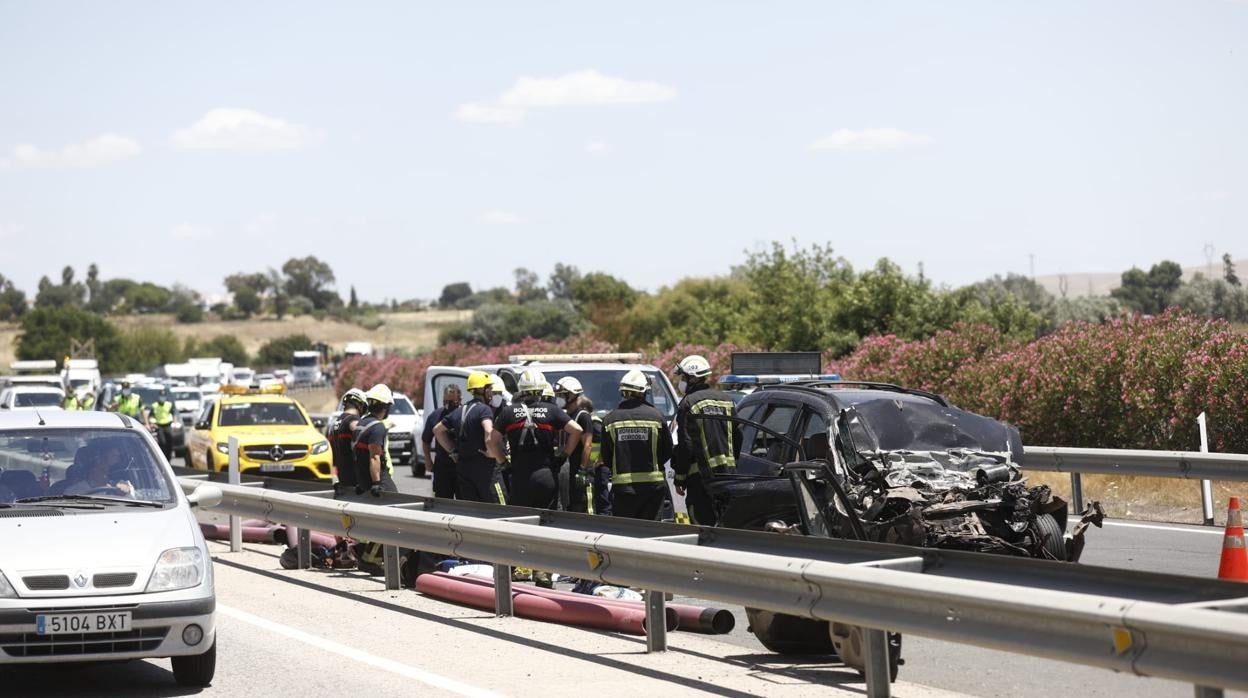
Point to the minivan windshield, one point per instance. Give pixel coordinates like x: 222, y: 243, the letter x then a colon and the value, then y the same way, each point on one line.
x: 105, y: 462
x: 602, y: 387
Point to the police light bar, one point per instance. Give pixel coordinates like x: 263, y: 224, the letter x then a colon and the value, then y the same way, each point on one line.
x: 31, y: 366
x: 576, y: 358
x: 777, y: 379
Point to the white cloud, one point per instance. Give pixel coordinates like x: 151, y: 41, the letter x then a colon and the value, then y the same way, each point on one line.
x: 870, y: 139
x: 98, y: 151
x: 500, y: 218
x: 485, y: 114
x: 244, y: 129
x: 582, y: 88
x: 597, y: 148
x: 187, y: 231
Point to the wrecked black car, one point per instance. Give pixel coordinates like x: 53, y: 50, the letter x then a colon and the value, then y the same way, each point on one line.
x: 877, y: 462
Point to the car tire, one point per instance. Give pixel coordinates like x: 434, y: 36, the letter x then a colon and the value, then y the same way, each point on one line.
x: 1052, y: 538
x: 407, y: 460
x: 790, y: 635
x: 196, y: 670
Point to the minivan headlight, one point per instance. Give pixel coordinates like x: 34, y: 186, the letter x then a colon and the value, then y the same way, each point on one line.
x: 6, y: 589
x: 177, y: 568
x: 320, y: 448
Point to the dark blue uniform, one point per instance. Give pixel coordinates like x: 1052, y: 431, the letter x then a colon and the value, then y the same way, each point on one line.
x: 475, y: 477
x: 442, y: 467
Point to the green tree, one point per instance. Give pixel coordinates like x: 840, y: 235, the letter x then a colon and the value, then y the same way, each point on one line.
x: 143, y: 348
x: 46, y: 333
x: 227, y: 347
x: 277, y: 287
x: 795, y: 292
x: 258, y: 282
x: 498, y: 295
x: 1149, y: 293
x: 452, y: 294
x: 313, y: 279
x: 697, y: 311
x: 146, y: 297
x: 1228, y: 270
x: 67, y: 293
x: 498, y: 323
x: 528, y: 286
x: 247, y: 301
x: 189, y: 312
x: 561, y: 281
x: 1213, y: 299
x: 12, y: 300
x: 355, y: 300
x: 278, y: 351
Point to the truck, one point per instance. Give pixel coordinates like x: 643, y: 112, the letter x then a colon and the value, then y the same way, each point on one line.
x: 81, y: 375
x: 39, y: 372
x: 354, y: 349
x: 305, y: 367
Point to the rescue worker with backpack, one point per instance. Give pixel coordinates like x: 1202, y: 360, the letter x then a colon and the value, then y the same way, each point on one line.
x: 584, y: 484
x: 341, y: 433
x: 370, y: 442
x: 160, y: 421
x: 532, y: 428
x: 635, y: 445
x: 465, y: 434
x: 707, y: 444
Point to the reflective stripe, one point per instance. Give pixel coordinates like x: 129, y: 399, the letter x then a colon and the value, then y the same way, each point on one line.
x: 719, y: 461
x: 162, y: 413
x: 632, y: 478
x: 498, y: 490
x: 654, y: 472
x: 130, y: 406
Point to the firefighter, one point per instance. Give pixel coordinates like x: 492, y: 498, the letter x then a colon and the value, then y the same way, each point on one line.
x: 532, y: 426
x: 437, y: 460
x: 589, y: 484
x: 706, y: 444
x: 160, y: 421
x: 635, y: 445
x: 370, y: 442
x: 465, y: 435
x: 341, y: 432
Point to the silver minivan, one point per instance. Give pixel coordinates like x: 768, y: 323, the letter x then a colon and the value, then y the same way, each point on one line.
x: 101, y: 558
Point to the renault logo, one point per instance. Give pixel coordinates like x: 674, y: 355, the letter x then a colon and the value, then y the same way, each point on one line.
x: 277, y: 453
x: 80, y: 580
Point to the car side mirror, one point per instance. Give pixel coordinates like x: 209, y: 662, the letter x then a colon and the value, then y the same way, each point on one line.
x: 205, y: 496
x: 201, y: 425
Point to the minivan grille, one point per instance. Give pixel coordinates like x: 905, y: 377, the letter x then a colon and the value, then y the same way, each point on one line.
x: 47, y: 582
x: 114, y: 579
x: 32, y: 645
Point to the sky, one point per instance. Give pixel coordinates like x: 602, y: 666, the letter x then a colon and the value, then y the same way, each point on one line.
x: 412, y: 145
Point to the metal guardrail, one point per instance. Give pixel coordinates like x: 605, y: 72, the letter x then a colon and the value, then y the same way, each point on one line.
x: 1167, y: 626
x: 1190, y: 465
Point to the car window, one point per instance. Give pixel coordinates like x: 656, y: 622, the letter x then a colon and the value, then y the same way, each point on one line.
x: 205, y: 417
x: 402, y: 406
x: 441, y: 380
x: 778, y: 417
x: 243, y: 414
x: 36, y: 400
x: 42, y: 462
x: 509, y: 382
x: 814, y: 435
x: 602, y: 387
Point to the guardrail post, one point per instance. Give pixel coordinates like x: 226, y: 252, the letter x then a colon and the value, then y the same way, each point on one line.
x: 1076, y: 492
x: 304, y: 545
x: 879, y: 684
x: 1208, y: 692
x: 390, y: 559
x: 656, y: 621
x: 502, y: 590
x: 236, y: 522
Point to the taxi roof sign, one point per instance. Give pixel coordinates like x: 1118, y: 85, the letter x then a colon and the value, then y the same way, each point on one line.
x: 273, y: 389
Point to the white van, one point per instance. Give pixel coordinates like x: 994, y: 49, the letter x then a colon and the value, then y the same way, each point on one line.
x: 101, y: 558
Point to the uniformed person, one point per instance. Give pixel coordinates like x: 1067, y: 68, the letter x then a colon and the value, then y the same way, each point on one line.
x: 588, y: 483
x: 70, y: 403
x: 465, y: 434
x: 341, y: 432
x: 160, y: 418
x: 706, y: 445
x: 437, y: 460
x: 128, y: 402
x: 370, y: 441
x: 531, y: 427
x: 86, y: 400
x: 635, y: 445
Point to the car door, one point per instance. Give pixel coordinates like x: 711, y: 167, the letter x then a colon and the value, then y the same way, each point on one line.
x: 436, y: 380
x: 200, y: 439
x: 763, y: 451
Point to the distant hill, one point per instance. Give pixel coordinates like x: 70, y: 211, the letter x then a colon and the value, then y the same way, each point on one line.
x: 1100, y: 283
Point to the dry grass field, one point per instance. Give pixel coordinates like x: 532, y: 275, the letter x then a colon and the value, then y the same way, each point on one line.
x: 405, y: 332
x: 1146, y: 498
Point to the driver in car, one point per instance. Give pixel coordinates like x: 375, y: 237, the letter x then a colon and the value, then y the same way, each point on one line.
x: 96, y: 479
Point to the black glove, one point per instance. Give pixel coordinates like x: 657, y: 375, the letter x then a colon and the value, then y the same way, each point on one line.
x: 359, y: 489
x: 375, y: 490
x: 454, y: 457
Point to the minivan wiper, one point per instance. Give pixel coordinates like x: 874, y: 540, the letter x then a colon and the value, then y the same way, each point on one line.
x: 53, y: 498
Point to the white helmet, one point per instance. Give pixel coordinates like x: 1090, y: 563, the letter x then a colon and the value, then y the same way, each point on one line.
x: 568, y: 384
x: 531, y: 381
x: 634, y: 382
x: 548, y: 392
x: 380, y: 393
x: 694, y: 366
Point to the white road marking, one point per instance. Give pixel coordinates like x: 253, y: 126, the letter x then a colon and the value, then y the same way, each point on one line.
x: 1165, y: 528
x: 390, y: 665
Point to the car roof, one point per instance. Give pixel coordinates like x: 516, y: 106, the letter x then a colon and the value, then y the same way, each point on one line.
x: 254, y: 397
x: 855, y: 391
x: 584, y: 366
x: 53, y: 419
x: 34, y: 389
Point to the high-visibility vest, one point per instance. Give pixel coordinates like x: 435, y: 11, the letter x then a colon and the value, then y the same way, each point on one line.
x: 69, y: 402
x: 87, y: 402
x: 131, y: 405
x: 162, y: 413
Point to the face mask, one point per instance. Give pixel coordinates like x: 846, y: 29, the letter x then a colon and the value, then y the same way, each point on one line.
x: 561, y: 402
x: 451, y: 404
x: 496, y: 401
x: 125, y: 392
x: 683, y: 386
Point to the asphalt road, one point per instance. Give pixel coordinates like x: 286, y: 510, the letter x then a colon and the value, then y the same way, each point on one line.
x: 300, y: 633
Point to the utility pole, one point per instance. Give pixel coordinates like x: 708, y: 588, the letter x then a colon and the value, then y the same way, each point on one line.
x: 1210, y: 252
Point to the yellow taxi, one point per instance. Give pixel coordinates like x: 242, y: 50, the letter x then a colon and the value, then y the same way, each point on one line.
x: 275, y: 435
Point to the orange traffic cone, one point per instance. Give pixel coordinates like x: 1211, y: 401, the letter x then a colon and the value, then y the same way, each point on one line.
x: 1234, y: 557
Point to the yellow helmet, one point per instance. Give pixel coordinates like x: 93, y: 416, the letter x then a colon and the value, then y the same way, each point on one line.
x: 478, y: 380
